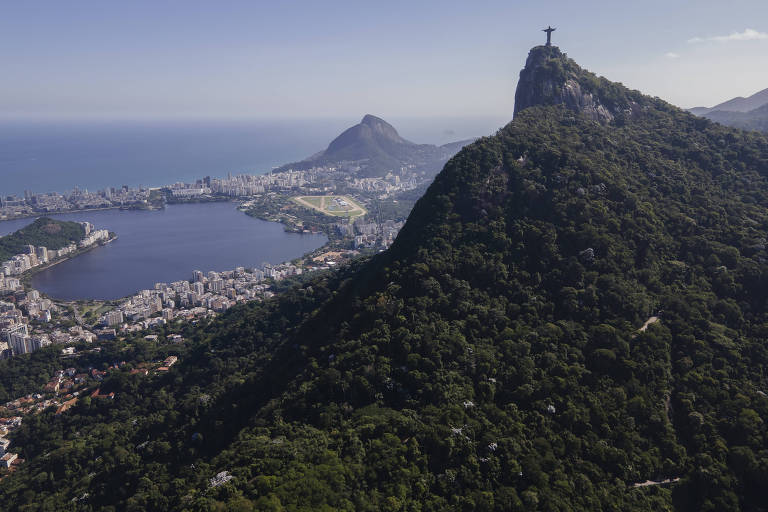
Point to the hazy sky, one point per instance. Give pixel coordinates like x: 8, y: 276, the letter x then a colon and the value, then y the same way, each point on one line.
x: 301, y: 59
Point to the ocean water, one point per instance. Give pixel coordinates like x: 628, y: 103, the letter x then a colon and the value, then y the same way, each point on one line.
x: 56, y: 156
x: 47, y: 157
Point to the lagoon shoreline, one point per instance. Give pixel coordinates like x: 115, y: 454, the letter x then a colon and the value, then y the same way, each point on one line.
x: 167, y: 245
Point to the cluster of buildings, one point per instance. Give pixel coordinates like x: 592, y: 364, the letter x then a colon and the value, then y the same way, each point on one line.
x: 52, y: 202
x: 29, y: 322
x: 92, y: 236
x: 306, y: 181
x: 313, y: 180
x: 9, y: 284
x: 35, y: 256
x: 8, y: 460
x: 387, y: 185
x: 15, y: 335
x: 203, y: 295
x: 243, y: 185
x: 62, y: 392
x: 25, y: 325
x: 370, y: 234
x: 18, y: 340
x: 20, y: 307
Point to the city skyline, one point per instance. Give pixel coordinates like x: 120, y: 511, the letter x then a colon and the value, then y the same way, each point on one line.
x: 306, y: 60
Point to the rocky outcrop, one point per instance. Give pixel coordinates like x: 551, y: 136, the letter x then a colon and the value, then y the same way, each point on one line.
x: 551, y: 78
x: 576, y: 99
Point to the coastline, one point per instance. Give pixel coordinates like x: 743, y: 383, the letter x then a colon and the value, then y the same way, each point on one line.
x: 221, y: 199
x: 289, y: 223
x: 225, y: 208
x: 211, y: 199
x: 81, y: 210
x: 26, y: 276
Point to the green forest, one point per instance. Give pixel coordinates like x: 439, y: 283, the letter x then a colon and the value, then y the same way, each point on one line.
x: 492, y: 359
x: 44, y: 231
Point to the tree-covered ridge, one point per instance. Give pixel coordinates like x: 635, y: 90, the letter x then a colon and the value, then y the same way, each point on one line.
x: 519, y: 283
x: 490, y: 360
x: 44, y: 231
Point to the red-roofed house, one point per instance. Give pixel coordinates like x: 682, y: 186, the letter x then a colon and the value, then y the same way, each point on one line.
x: 66, y: 405
x: 52, y: 387
x: 96, y: 394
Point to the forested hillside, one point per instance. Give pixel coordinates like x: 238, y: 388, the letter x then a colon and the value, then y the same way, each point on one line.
x: 577, y: 305
x: 46, y: 232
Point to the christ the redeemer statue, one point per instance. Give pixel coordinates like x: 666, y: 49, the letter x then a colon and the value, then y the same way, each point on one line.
x: 549, y: 31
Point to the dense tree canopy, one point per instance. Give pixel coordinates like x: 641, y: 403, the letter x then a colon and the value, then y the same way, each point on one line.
x: 46, y: 232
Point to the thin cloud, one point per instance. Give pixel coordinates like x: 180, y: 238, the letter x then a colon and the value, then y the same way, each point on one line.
x: 672, y: 55
x: 748, y: 34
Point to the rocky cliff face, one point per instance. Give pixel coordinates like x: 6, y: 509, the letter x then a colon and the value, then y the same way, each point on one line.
x: 551, y: 78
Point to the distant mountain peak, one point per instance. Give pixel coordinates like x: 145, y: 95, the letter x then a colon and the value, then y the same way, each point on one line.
x: 551, y: 78
x: 371, y: 120
x: 737, y: 104
x: 380, y: 128
x: 370, y: 138
x: 376, y: 147
x: 749, y: 113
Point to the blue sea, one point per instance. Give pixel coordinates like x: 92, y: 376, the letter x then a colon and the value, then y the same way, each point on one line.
x: 47, y: 156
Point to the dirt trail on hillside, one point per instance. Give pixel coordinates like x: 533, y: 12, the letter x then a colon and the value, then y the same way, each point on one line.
x: 648, y: 483
x: 648, y: 322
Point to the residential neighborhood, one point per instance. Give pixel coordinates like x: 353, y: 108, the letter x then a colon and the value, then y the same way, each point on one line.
x: 30, y: 321
x: 31, y: 204
x: 37, y: 256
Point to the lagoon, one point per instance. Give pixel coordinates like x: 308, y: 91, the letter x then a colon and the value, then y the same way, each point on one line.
x: 164, y: 246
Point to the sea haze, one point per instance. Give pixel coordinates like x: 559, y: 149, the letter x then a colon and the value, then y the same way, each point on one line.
x: 165, y: 246
x: 56, y: 156
x: 47, y: 157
